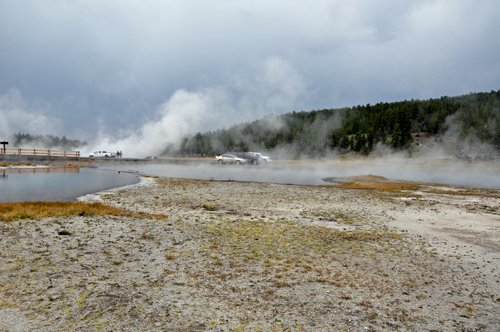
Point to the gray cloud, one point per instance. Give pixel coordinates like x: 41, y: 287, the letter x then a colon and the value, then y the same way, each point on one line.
x: 115, y: 64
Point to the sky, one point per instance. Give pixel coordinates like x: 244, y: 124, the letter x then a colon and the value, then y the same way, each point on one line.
x: 118, y: 72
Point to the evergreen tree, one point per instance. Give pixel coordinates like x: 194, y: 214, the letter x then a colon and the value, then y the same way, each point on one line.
x: 397, y: 137
x: 365, y: 150
x: 384, y: 136
x: 370, y: 138
x: 344, y: 141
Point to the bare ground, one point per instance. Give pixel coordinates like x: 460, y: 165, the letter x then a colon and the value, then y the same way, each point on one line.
x: 236, y: 256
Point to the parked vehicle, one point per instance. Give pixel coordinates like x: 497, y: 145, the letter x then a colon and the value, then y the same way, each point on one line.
x: 267, y: 159
x: 228, y: 158
x: 251, y: 159
x: 102, y: 153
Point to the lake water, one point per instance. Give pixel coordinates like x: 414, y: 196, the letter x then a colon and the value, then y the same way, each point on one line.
x: 213, y: 171
x: 58, y: 184
x: 484, y: 175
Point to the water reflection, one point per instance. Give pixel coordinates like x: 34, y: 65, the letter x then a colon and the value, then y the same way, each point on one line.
x: 42, y: 170
x: 58, y: 184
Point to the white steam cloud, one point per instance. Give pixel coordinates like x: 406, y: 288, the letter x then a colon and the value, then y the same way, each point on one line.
x: 178, y: 116
x: 18, y: 115
x: 275, y: 88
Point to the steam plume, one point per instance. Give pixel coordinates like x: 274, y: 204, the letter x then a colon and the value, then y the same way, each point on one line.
x: 276, y: 87
x: 18, y: 115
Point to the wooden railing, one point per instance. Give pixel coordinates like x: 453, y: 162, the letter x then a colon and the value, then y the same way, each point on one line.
x: 37, y: 152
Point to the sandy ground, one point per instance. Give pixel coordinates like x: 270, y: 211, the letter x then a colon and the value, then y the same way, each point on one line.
x: 235, y: 256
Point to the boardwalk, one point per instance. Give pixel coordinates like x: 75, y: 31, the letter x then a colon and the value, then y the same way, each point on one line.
x: 38, y: 153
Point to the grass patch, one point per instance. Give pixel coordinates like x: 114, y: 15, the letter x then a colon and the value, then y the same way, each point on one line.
x: 374, y: 182
x: 6, y: 164
x: 260, y: 241
x: 39, y: 210
x: 209, y: 207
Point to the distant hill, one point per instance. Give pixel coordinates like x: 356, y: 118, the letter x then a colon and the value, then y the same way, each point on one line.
x: 474, y: 119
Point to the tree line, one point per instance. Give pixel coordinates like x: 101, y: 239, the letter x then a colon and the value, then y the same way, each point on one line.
x: 472, y: 118
x: 44, y: 141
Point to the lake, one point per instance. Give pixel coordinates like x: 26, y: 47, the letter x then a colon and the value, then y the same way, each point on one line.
x: 58, y: 184
x: 480, y: 175
x: 65, y: 184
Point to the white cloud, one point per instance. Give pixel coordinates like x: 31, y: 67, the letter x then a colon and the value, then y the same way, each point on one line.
x: 19, y: 115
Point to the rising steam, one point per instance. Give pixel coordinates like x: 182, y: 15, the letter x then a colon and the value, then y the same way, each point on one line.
x: 275, y: 88
x: 19, y: 115
x: 178, y: 116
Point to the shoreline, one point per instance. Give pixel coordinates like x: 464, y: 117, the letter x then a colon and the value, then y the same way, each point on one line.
x: 144, y: 181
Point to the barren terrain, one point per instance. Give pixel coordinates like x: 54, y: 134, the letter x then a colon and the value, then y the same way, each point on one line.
x: 236, y: 256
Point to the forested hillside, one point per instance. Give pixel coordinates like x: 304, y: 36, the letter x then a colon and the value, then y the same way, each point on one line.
x: 473, y: 118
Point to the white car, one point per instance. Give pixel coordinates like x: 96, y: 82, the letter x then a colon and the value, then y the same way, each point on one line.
x: 267, y: 159
x: 230, y: 159
x: 102, y: 153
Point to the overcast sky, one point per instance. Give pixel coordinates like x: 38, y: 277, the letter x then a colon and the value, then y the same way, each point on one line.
x: 120, y: 68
